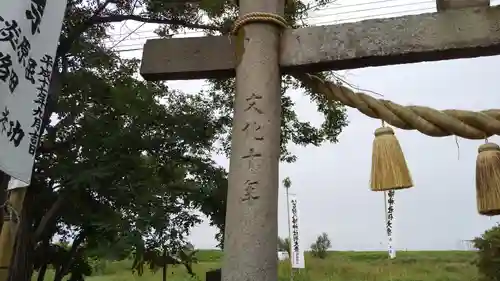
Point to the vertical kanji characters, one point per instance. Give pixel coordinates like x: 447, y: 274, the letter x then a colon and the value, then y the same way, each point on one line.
x: 23, y: 51
x: 44, y: 74
x: 11, y: 128
x: 252, y: 156
x: 13, y: 81
x: 30, y: 70
x: 295, y: 231
x: 252, y: 103
x: 15, y: 133
x: 5, y: 66
x: 390, y: 211
x: 253, y: 130
x: 10, y: 32
x: 35, y: 14
x: 7, y: 73
x: 4, y: 120
x: 250, y: 191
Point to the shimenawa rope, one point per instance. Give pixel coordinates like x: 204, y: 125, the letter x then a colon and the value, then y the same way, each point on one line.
x: 429, y: 121
x: 258, y: 17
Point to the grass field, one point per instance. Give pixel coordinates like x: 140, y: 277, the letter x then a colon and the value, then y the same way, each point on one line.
x: 338, y: 266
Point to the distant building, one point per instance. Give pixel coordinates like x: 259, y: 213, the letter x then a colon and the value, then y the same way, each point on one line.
x: 283, y: 255
x: 467, y: 245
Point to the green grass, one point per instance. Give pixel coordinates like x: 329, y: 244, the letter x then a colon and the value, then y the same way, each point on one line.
x: 338, y: 266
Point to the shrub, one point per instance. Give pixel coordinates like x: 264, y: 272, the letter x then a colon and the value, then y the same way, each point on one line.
x: 488, y: 258
x: 320, y: 248
x: 284, y: 245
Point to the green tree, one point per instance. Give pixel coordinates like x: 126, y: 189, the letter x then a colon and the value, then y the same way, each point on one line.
x: 117, y: 162
x: 284, y: 244
x: 320, y: 248
x: 119, y: 188
x: 488, y: 255
x: 287, y: 182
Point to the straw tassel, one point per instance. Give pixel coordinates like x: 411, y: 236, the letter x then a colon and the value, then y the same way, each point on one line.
x: 488, y: 179
x: 389, y: 169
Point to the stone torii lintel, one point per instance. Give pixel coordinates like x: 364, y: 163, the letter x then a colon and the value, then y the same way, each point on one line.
x: 454, y: 33
x: 443, y: 5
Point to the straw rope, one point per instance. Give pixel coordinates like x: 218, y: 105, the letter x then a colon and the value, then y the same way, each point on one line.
x: 11, y: 213
x: 429, y: 121
x: 260, y: 17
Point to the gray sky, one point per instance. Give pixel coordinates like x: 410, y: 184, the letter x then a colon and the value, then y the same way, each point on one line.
x: 331, y: 181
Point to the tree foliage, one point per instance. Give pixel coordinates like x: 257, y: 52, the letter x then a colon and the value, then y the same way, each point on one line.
x: 287, y: 183
x: 488, y: 255
x: 124, y: 162
x: 284, y: 245
x: 320, y: 248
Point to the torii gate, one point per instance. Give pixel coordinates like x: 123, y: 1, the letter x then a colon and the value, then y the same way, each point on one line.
x: 460, y: 29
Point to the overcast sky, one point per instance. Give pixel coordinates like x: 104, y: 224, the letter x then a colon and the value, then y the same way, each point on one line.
x: 331, y: 181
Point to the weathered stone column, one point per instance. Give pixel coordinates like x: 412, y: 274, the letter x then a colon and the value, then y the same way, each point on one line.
x: 250, y: 248
x: 443, y: 5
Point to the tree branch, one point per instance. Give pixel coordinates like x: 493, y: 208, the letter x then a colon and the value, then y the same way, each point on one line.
x: 119, y: 18
x: 65, y: 45
x: 100, y: 8
x: 65, y: 268
x: 49, y: 217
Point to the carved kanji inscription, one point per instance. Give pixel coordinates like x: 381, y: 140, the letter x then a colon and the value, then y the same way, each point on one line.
x: 251, y: 156
x: 250, y: 192
x: 252, y: 103
x: 253, y: 129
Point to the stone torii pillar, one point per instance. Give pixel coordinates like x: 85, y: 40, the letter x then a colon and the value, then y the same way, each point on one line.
x: 250, y: 252
x: 250, y: 242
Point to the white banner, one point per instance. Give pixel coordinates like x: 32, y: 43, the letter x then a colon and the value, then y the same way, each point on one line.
x: 29, y: 34
x: 390, y: 223
x: 297, y: 253
x: 14, y: 184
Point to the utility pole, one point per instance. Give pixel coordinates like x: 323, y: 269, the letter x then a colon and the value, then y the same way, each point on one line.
x: 250, y: 248
x: 287, y: 183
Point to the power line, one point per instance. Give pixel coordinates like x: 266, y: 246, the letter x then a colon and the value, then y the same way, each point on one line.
x: 128, y: 35
x: 344, y: 12
x: 315, y: 23
x: 337, y: 6
x: 131, y: 47
x: 129, y: 50
x: 319, y: 16
x: 493, y: 3
x: 398, y: 13
x: 360, y: 4
x: 373, y: 9
x: 132, y: 8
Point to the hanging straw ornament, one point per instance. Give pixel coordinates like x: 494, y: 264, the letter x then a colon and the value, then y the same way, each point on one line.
x: 488, y: 179
x: 389, y: 169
